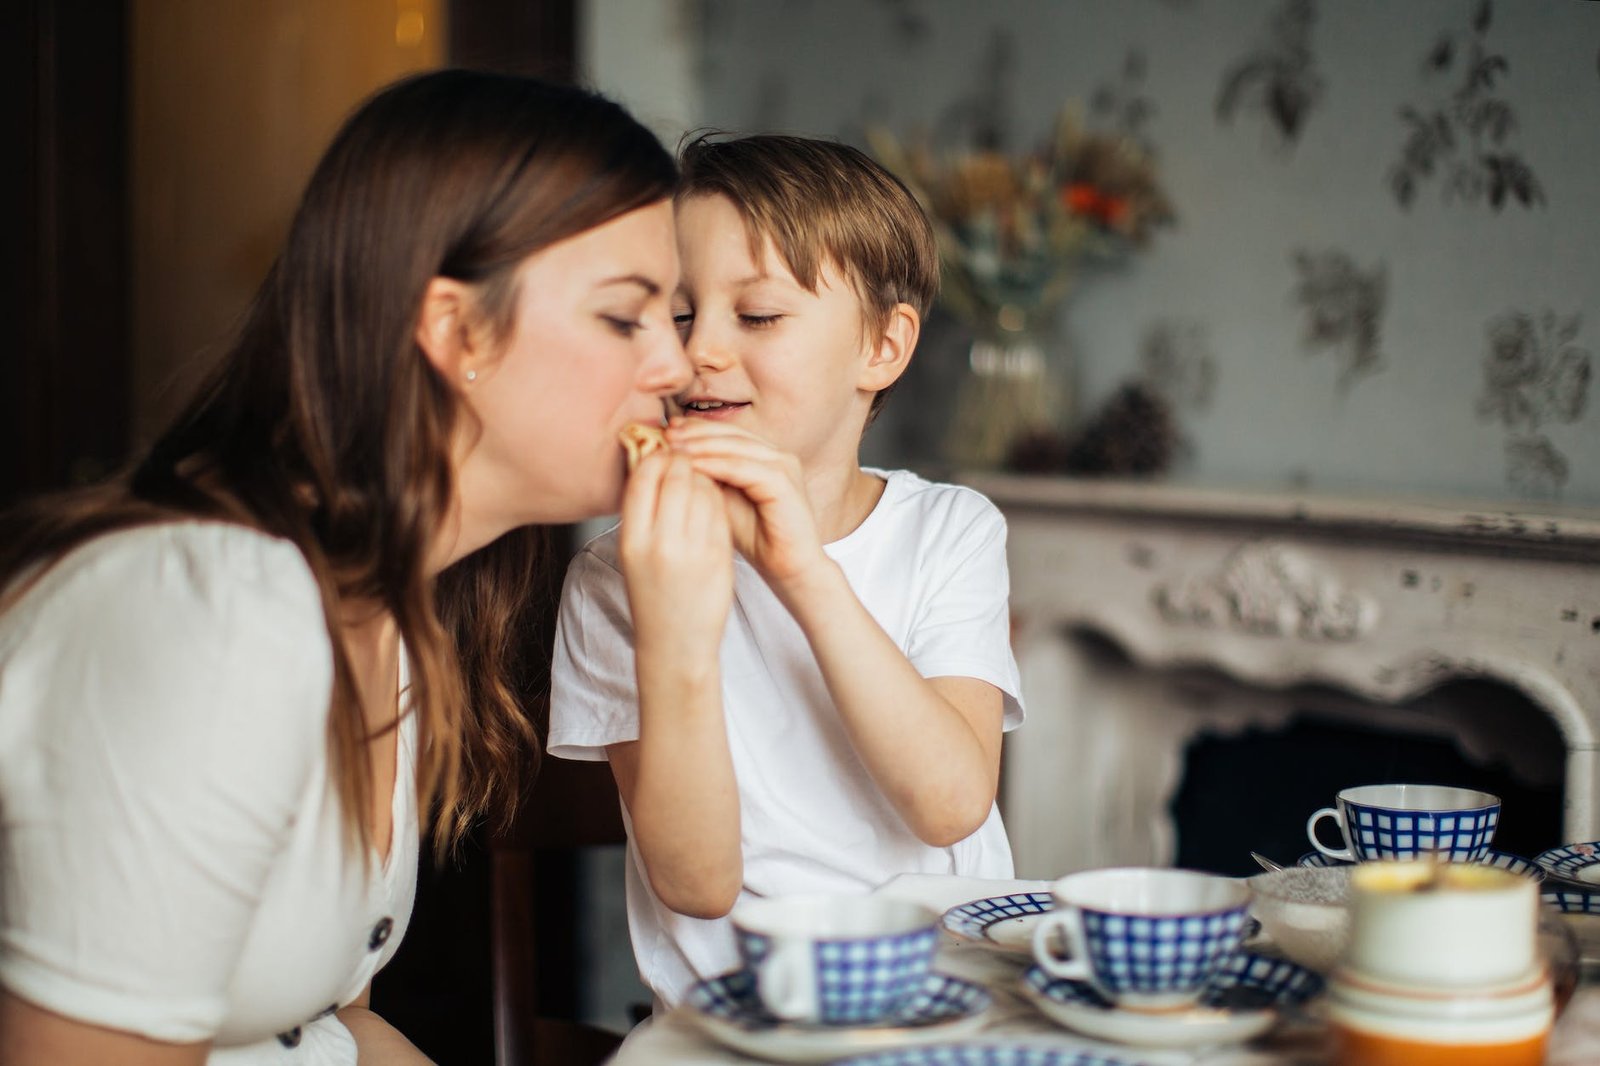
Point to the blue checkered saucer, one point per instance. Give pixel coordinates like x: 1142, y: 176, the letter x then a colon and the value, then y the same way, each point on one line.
x: 1573, y: 862
x: 1000, y: 923
x: 1502, y: 859
x: 1569, y: 899
x: 728, y: 1010
x: 990, y: 1054
x: 1242, y: 1000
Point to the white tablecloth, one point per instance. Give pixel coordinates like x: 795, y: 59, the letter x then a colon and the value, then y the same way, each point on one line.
x: 674, y: 1039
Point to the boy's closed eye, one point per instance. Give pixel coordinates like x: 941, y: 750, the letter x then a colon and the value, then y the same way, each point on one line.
x: 683, y: 319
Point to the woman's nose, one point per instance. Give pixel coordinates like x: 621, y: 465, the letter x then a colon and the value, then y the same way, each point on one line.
x: 667, y: 371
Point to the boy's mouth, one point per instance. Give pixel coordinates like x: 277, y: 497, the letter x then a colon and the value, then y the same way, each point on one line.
x: 702, y: 408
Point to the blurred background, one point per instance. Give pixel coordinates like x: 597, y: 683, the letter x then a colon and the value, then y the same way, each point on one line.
x: 1374, y: 269
x: 1348, y: 246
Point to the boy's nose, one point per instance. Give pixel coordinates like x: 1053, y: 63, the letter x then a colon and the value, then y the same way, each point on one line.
x: 707, y: 353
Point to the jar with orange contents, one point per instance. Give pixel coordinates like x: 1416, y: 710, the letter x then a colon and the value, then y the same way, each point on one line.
x: 1442, y: 967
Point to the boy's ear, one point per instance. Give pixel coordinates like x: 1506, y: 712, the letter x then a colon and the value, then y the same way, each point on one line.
x: 893, y: 354
x: 445, y: 331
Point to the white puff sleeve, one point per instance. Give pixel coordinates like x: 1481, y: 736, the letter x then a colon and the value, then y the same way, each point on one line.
x: 163, y: 695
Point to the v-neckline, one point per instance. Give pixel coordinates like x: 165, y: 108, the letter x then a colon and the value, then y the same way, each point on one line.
x: 385, y: 857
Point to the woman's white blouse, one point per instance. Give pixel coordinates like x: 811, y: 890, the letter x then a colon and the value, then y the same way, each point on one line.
x: 172, y: 860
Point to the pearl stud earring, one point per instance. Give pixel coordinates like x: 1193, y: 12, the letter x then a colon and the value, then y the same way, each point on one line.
x: 472, y: 375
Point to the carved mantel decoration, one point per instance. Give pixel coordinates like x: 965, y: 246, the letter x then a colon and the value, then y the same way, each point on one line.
x: 1267, y: 589
x: 1380, y: 600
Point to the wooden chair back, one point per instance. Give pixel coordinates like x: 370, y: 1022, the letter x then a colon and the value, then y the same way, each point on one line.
x: 534, y: 904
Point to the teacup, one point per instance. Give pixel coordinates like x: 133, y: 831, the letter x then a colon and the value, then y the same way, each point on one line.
x: 1145, y: 939
x: 1409, y: 822
x: 835, y: 960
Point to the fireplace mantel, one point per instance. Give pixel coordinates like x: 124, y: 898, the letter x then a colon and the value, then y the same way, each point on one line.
x: 1383, y: 599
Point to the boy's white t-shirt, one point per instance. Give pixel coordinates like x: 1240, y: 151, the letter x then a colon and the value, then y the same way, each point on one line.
x: 929, y: 564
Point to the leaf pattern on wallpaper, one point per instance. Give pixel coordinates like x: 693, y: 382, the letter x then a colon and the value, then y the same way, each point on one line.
x: 1534, y: 467
x: 1534, y: 374
x: 1175, y: 361
x: 1343, y: 308
x: 1121, y: 106
x: 1278, y: 79
x: 1462, y: 140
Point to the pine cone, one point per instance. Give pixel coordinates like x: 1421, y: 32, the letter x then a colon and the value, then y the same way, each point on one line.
x: 1132, y: 434
x: 1043, y: 451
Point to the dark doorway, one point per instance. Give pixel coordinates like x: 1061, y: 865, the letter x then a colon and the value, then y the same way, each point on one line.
x: 63, y: 265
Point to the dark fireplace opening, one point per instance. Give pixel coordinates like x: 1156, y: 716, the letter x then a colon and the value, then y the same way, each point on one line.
x: 1253, y: 790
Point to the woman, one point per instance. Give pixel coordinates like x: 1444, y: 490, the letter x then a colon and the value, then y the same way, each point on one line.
x: 230, y: 682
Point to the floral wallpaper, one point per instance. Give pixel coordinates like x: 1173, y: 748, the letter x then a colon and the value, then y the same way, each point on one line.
x: 1385, y: 273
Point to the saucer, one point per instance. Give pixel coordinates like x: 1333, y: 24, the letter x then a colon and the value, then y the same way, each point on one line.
x: 1240, y: 1002
x: 1503, y: 859
x: 1574, y: 862
x: 727, y: 1009
x: 999, y: 923
x: 1576, y: 901
x: 989, y: 1055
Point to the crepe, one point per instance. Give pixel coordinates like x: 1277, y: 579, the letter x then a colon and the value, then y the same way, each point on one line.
x: 640, y: 439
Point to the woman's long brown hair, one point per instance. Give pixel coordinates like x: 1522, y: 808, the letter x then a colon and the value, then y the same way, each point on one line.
x: 325, y: 423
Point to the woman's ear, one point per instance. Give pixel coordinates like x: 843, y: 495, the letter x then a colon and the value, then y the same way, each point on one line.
x: 445, y: 333
x: 893, y: 354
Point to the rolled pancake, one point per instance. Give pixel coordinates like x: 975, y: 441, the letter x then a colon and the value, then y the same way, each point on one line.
x: 640, y: 439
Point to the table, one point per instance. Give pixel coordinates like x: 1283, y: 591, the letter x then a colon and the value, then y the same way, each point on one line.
x: 674, y: 1039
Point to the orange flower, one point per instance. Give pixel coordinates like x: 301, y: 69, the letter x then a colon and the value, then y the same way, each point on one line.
x: 1080, y: 198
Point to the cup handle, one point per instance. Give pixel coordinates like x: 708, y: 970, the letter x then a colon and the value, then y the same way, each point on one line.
x: 786, y: 981
x: 1069, y: 924
x: 1343, y: 853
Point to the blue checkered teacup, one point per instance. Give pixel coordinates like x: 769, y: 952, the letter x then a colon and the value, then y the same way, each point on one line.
x: 1144, y: 938
x: 1410, y: 822
x: 835, y: 960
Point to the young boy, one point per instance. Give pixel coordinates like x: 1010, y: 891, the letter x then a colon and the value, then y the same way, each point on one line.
x: 866, y: 672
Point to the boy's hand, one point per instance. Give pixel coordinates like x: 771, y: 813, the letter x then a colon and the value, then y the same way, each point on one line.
x: 677, y: 560
x: 769, y: 512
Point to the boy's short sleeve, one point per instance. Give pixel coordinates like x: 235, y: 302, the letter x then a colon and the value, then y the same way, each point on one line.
x: 964, y: 626
x: 594, y: 699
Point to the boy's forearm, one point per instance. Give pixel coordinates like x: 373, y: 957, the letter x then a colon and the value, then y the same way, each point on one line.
x: 685, y: 801
x: 924, y: 752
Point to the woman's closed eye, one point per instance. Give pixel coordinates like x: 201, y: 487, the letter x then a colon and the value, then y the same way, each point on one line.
x: 623, y: 325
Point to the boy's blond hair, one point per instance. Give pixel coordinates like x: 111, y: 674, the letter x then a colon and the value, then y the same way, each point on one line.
x: 817, y: 201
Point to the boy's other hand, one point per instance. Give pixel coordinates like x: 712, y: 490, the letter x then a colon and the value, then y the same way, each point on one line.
x: 769, y: 513
x: 677, y: 559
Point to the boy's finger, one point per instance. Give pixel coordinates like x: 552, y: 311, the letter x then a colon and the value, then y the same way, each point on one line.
x: 753, y: 477
x: 709, y: 515
x: 640, y: 498
x: 677, y: 484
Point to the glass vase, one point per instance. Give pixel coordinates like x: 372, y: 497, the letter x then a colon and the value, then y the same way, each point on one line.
x: 1015, y: 385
